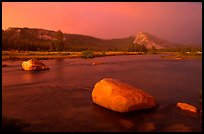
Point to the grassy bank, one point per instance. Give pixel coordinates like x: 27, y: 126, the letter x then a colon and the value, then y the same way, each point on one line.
x: 15, y: 55
x: 26, y: 55
x: 183, y: 55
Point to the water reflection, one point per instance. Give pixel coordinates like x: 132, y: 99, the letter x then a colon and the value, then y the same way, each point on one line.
x: 59, y: 66
x: 27, y: 76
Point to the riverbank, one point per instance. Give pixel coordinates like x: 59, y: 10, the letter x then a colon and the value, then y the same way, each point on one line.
x: 180, y: 56
x: 26, y: 55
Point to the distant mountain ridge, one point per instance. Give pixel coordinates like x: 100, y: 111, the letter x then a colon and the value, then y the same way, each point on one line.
x: 82, y: 42
x: 73, y: 42
x: 150, y: 40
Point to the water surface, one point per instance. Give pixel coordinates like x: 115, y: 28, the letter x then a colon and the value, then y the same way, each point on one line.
x: 59, y: 99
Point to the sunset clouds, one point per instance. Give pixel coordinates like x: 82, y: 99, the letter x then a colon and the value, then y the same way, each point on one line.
x: 176, y: 22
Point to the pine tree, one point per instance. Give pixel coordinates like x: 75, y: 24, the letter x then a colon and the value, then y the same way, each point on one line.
x: 60, y: 42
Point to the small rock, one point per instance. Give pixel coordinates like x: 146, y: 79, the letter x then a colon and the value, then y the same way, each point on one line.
x: 34, y: 65
x: 178, y: 58
x: 96, y: 63
x: 199, y: 52
x: 147, y: 127
x: 188, y: 107
x: 178, y: 127
x: 121, y: 97
x: 127, y: 123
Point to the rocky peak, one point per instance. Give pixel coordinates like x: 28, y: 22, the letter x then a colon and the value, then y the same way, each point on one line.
x: 149, y: 40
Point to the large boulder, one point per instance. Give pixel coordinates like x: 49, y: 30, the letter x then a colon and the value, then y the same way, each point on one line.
x: 34, y: 65
x: 121, y: 97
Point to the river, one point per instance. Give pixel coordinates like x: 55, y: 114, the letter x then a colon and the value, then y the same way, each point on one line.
x: 59, y: 99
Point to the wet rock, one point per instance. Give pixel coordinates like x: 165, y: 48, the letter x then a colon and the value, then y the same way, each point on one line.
x: 178, y: 127
x: 178, y: 58
x: 147, y: 127
x: 97, y: 63
x: 34, y: 65
x: 121, y: 97
x: 126, y: 123
x: 188, y: 107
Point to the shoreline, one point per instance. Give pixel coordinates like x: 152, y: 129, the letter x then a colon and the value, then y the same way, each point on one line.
x: 16, y: 56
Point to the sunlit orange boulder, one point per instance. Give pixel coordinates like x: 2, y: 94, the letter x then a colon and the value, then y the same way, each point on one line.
x: 33, y: 65
x: 121, y: 97
x: 188, y: 107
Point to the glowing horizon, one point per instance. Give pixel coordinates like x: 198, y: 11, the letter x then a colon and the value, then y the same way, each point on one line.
x: 179, y: 22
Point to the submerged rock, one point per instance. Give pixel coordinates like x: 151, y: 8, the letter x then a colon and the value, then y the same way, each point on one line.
x: 34, y: 65
x: 121, y: 97
x: 178, y: 127
x: 188, y: 107
x: 147, y: 127
x: 126, y: 123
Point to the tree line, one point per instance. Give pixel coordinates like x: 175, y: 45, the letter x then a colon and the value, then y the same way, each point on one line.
x: 25, y: 39
x: 22, y: 41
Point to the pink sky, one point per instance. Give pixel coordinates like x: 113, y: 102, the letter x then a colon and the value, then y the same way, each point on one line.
x: 179, y: 22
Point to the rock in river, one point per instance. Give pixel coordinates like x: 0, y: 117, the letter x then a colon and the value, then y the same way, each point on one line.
x: 178, y: 127
x: 121, y: 97
x: 188, y: 107
x: 97, y: 63
x: 34, y: 65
